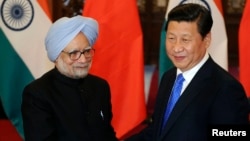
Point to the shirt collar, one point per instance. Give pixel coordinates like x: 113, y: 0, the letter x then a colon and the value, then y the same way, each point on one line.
x: 188, y: 75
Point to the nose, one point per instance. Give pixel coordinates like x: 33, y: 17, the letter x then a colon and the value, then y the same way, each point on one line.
x: 178, y: 46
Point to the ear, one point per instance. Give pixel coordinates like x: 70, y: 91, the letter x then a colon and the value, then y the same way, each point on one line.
x: 208, y: 39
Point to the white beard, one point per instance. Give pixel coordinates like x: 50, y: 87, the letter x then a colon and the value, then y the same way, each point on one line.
x: 76, y: 71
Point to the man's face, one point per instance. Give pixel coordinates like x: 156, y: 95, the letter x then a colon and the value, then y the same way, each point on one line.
x: 184, y: 45
x: 74, y: 68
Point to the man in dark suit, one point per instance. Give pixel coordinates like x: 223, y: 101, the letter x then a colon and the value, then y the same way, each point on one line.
x: 210, y: 97
x: 67, y: 103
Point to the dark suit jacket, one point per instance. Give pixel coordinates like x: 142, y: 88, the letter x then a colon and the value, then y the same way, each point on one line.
x: 58, y: 108
x: 213, y: 97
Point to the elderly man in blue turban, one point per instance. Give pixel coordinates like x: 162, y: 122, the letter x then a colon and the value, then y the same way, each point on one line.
x: 67, y: 103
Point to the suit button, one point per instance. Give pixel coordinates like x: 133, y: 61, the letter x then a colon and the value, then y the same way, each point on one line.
x: 81, y: 90
x: 87, y: 113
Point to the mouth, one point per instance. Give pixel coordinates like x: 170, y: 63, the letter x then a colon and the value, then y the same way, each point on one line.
x: 179, y: 58
x: 81, y: 66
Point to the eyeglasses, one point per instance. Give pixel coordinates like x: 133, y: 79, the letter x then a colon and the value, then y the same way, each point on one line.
x: 75, y: 55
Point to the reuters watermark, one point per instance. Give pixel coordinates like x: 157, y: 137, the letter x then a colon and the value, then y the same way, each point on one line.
x: 237, y: 132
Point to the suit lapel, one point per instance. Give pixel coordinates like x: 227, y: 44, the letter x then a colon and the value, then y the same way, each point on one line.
x: 164, y: 93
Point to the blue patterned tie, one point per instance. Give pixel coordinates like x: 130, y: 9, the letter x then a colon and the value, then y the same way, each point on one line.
x: 176, y: 91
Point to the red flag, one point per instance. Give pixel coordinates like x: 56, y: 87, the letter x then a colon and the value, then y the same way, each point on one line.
x: 45, y: 6
x: 119, y: 59
x: 244, y: 50
x: 218, y: 3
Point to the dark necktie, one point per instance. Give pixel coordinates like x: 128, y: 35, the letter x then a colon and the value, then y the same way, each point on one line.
x: 176, y: 91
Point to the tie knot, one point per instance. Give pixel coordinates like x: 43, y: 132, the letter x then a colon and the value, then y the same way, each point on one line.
x: 180, y: 78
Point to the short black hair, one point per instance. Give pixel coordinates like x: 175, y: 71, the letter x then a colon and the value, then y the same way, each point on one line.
x: 192, y: 12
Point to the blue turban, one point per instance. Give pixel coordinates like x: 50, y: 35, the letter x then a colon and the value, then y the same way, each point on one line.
x: 65, y: 29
